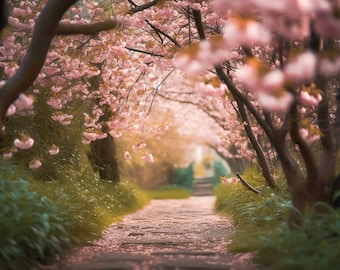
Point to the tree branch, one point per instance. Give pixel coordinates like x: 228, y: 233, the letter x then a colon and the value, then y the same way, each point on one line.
x: 199, y: 23
x: 85, y: 29
x: 145, y: 52
x: 34, y: 59
x: 159, y: 31
x: 246, y: 184
x: 137, y: 8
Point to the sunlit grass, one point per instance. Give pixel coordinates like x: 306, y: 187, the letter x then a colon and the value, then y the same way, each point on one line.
x: 39, y: 220
x: 169, y: 192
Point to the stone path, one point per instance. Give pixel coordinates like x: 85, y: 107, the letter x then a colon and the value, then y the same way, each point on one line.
x: 167, y: 234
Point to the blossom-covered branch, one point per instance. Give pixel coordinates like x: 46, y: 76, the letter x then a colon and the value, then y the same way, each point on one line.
x: 32, y: 63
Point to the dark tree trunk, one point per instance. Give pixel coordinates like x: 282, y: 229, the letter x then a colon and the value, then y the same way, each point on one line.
x: 103, y: 159
x: 3, y: 14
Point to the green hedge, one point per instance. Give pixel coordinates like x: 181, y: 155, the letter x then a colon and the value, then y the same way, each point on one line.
x: 219, y: 171
x: 184, y: 177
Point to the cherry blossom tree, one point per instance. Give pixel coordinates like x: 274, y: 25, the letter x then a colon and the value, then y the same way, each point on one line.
x: 290, y: 66
x: 277, y: 64
x: 65, y: 74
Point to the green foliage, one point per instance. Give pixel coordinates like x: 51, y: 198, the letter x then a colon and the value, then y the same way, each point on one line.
x: 46, y: 134
x: 39, y: 219
x: 261, y: 226
x: 32, y: 227
x: 219, y: 171
x: 313, y: 245
x: 184, y: 177
x: 253, y: 214
x: 169, y: 192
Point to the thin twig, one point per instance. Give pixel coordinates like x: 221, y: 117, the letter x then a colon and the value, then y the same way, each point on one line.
x: 246, y: 184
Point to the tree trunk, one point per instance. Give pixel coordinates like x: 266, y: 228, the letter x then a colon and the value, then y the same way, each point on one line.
x: 103, y: 159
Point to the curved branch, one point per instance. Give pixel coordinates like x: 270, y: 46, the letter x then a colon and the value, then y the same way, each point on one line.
x: 34, y: 59
x: 246, y: 184
x: 138, y: 8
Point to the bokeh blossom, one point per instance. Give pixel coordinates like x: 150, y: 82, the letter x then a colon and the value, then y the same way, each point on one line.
x: 24, y: 143
x: 35, y: 164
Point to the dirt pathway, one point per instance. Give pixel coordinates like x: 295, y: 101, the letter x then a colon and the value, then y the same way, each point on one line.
x: 167, y: 234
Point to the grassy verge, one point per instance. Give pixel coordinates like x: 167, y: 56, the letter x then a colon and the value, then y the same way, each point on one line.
x: 39, y: 220
x: 169, y: 192
x: 260, y: 226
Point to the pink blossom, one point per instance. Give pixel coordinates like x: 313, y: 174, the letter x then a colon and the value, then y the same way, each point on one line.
x: 330, y: 67
x: 56, y: 89
x: 228, y: 180
x: 188, y: 64
x: 23, y: 102
x: 308, y: 137
x: 7, y: 155
x: 127, y: 155
x: 273, y: 80
x: 310, y: 100
x: 209, y: 90
x: 11, y: 110
x: 246, y: 33
x: 302, y: 69
x: 279, y: 103
x: 55, y: 103
x: 10, y: 70
x: 25, y: 143
x: 18, y: 12
x: 54, y: 150
x: 93, y: 136
x: 213, y: 51
x: 147, y: 157
x: 63, y: 119
x: 35, y: 164
x: 270, y: 82
x: 248, y: 76
x: 115, y: 134
x: 328, y: 25
x: 138, y: 146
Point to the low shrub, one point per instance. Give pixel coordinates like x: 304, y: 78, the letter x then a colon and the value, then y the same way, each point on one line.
x: 40, y: 220
x: 261, y: 226
x: 32, y: 227
x: 314, y: 245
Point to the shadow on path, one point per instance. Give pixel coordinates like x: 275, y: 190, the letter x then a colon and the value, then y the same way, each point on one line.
x: 167, y: 234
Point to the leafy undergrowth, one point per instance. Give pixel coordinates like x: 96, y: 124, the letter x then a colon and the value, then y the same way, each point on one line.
x: 169, y: 192
x: 40, y: 220
x: 261, y: 226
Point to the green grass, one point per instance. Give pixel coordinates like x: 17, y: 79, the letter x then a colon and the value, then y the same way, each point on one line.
x: 40, y: 220
x: 169, y: 192
x: 261, y: 227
